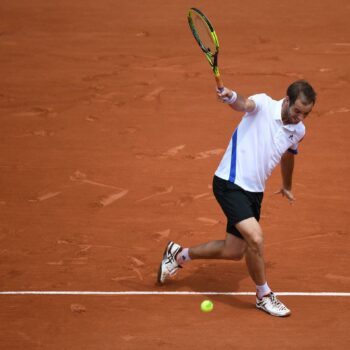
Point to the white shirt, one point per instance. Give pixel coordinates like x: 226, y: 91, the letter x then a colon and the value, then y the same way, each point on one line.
x: 258, y: 144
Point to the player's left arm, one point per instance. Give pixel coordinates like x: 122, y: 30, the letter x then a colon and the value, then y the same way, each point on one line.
x: 287, y: 167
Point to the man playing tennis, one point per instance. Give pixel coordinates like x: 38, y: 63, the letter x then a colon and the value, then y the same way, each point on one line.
x: 268, y: 133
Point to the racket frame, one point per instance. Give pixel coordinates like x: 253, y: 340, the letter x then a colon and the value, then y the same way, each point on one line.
x: 211, y: 57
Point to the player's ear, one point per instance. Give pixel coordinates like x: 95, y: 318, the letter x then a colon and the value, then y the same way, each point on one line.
x: 286, y: 102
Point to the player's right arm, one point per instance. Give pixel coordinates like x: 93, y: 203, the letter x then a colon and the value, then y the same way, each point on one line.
x: 236, y: 101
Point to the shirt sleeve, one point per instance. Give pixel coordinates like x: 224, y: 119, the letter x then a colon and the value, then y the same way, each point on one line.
x: 260, y: 101
x: 294, y: 148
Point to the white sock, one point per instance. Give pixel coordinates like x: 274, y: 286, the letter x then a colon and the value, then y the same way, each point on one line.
x: 183, y: 256
x: 263, y: 290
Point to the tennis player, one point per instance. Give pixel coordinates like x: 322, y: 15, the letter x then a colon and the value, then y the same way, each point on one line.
x: 268, y: 133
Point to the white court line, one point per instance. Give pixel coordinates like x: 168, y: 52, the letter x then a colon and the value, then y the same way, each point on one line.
x: 308, y: 294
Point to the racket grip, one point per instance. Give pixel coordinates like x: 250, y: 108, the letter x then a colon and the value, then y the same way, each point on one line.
x: 219, y: 83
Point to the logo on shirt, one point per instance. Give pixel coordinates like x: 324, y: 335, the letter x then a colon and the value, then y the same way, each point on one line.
x: 291, y: 137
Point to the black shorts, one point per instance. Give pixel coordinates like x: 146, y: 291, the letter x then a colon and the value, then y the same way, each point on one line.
x: 236, y: 203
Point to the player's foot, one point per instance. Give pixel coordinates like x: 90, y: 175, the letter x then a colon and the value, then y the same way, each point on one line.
x: 270, y: 304
x: 169, y: 267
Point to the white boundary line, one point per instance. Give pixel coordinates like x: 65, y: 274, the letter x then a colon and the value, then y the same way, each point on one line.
x: 307, y: 294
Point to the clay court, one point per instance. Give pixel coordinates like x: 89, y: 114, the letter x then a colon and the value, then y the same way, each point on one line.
x: 110, y: 135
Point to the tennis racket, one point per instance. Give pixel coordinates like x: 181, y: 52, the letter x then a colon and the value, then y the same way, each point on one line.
x: 205, y: 35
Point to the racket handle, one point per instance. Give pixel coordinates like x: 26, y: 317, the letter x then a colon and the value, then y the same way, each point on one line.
x: 219, y: 83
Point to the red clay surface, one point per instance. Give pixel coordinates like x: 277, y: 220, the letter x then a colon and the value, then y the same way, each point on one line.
x: 110, y: 135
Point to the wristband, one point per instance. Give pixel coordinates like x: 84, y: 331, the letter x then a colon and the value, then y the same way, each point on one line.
x: 233, y: 98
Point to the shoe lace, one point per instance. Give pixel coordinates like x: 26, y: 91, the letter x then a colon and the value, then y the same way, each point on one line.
x: 276, y: 302
x: 170, y: 259
x: 172, y: 265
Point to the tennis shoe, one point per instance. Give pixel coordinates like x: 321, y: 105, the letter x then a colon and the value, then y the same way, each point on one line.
x: 169, y: 266
x: 270, y: 304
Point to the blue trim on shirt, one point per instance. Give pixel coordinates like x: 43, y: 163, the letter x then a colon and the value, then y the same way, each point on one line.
x: 294, y: 151
x: 232, y: 177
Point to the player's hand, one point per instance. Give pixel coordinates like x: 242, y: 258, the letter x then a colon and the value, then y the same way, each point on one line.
x: 226, y: 95
x: 286, y: 193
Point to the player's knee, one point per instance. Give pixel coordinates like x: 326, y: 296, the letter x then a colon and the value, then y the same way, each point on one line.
x: 257, y: 242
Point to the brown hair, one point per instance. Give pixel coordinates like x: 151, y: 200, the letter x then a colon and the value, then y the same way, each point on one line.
x: 303, y: 88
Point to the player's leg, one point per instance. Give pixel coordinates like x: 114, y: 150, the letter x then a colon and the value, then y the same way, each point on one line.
x: 266, y: 300
x: 236, y: 207
x: 174, y: 256
x: 232, y: 248
x: 253, y: 235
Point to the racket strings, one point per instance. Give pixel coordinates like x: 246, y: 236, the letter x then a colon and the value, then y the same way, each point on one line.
x: 204, y: 33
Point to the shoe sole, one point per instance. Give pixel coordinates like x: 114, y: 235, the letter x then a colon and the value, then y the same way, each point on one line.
x: 160, y: 266
x: 271, y: 313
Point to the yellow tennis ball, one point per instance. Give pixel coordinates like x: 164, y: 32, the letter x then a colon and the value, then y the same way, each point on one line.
x: 207, y: 306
